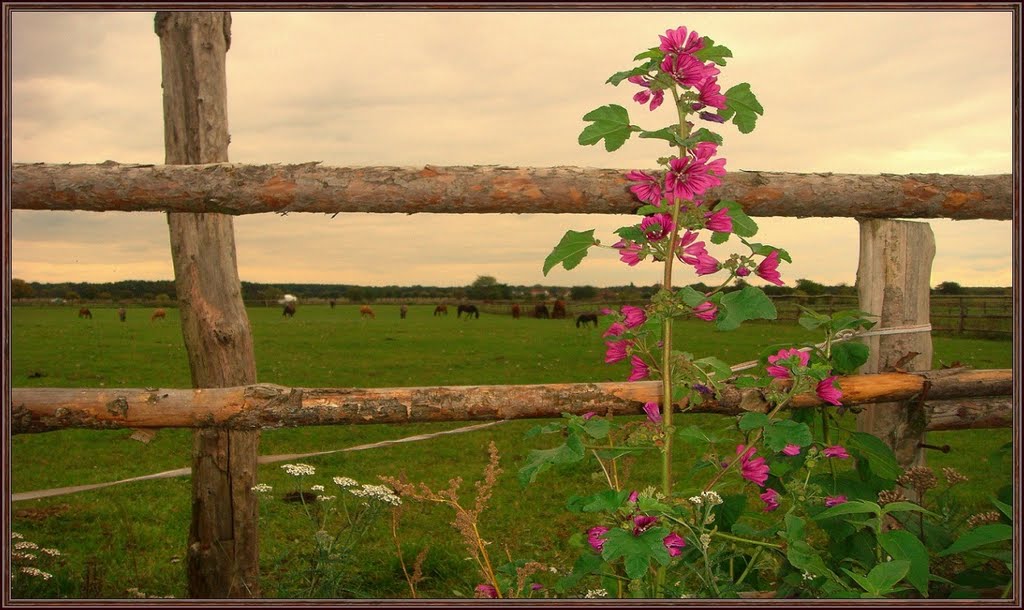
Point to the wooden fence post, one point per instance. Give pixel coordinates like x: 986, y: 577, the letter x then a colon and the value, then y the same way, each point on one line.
x: 222, y: 547
x: 893, y: 278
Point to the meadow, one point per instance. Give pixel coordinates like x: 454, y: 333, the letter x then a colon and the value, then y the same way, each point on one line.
x: 133, y: 536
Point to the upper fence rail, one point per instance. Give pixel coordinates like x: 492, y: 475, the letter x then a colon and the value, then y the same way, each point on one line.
x: 229, y: 188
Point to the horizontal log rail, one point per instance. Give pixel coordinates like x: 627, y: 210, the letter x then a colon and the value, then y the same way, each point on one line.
x: 229, y: 188
x: 271, y: 406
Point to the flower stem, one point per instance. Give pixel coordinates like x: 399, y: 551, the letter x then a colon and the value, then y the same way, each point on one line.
x: 721, y: 534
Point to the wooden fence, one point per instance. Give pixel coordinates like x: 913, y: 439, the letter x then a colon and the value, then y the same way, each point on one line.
x: 200, y: 191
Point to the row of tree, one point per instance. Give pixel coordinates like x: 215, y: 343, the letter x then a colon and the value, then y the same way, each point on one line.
x: 484, y: 288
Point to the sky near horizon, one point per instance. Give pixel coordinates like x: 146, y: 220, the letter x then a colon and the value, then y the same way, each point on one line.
x: 844, y: 92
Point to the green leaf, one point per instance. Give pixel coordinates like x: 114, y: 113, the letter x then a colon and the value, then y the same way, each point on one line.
x: 618, y: 77
x: 902, y: 545
x: 571, y: 250
x: 864, y: 582
x: 729, y: 511
x: 1004, y: 508
x: 741, y: 102
x: 587, y: 564
x: 787, y: 432
x: 748, y: 381
x: 654, y: 53
x: 644, y: 210
x: 853, y: 507
x: 636, y: 551
x: 671, y: 134
x: 752, y: 421
x: 691, y: 297
x: 880, y: 458
x: 765, y: 250
x: 742, y: 225
x: 631, y: 233
x: 713, y: 52
x: 606, y: 500
x: 701, y: 135
x: 980, y: 536
x: 897, y: 507
x: 714, y: 367
x: 610, y: 123
x: 539, y: 460
x: 597, y: 427
x: 719, y: 237
x: 884, y: 576
x: 695, y: 434
x: 805, y: 558
x: 848, y: 357
x: 750, y: 303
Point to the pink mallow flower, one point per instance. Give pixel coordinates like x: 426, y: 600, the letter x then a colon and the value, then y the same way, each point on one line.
x: 719, y: 221
x: 706, y: 264
x: 688, y: 249
x: 679, y: 41
x: 742, y: 271
x: 674, y: 543
x: 702, y: 154
x: 656, y: 97
x: 768, y: 270
x: 685, y: 69
x: 639, y: 369
x: 594, y: 537
x: 831, y: 501
x: 641, y: 523
x: 791, y: 450
x: 634, y: 316
x: 782, y: 372
x: 634, y: 496
x: 629, y: 252
x: 616, y: 351
x: 688, y: 178
x: 653, y: 411
x: 615, y: 329
x: 647, y: 187
x: 771, y: 500
x: 487, y: 591
x: 657, y: 226
x: 586, y: 416
x: 836, y: 451
x: 710, y: 94
x: 828, y: 392
x: 754, y: 470
x: 706, y: 311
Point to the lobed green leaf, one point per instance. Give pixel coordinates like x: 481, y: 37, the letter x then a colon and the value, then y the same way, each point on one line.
x: 570, y: 250
x: 610, y: 123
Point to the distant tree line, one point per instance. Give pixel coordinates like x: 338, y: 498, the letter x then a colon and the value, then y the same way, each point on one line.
x: 484, y: 288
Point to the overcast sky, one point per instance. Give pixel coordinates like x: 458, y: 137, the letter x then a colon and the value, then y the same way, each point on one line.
x: 846, y: 92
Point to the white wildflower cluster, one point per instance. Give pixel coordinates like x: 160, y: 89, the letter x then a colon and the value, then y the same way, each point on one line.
x: 16, y: 536
x: 262, y: 488
x: 36, y: 572
x: 135, y: 593
x: 595, y: 593
x: 23, y: 556
x: 710, y: 518
x: 21, y: 546
x: 51, y: 552
x: 323, y: 538
x: 553, y: 569
x: 321, y: 498
x: 345, y: 482
x: 317, y: 488
x: 696, y: 500
x: 376, y: 492
x: 808, y: 576
x: 711, y: 497
x: 299, y: 470
x: 705, y: 540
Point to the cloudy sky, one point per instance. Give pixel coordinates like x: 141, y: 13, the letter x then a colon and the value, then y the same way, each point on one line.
x: 846, y: 92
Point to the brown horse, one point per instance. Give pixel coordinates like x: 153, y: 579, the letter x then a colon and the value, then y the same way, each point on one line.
x: 159, y: 314
x: 289, y: 310
x: 558, y: 311
x: 366, y: 311
x: 404, y: 309
x: 515, y: 311
x: 85, y: 313
x: 441, y: 309
x: 541, y: 311
x: 121, y: 313
x: 333, y: 303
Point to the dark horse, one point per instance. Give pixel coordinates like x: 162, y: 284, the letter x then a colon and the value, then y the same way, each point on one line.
x: 515, y: 311
x: 469, y: 310
x: 441, y: 309
x: 289, y: 310
x: 583, y: 318
x: 558, y: 312
x: 85, y: 313
x: 541, y: 311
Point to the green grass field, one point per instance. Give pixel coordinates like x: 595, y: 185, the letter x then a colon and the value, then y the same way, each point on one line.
x: 134, y: 535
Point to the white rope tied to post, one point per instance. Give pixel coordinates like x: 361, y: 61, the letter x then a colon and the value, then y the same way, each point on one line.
x: 846, y: 335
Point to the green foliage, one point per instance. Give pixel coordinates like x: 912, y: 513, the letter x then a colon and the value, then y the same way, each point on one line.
x: 637, y: 552
x: 904, y: 546
x: 570, y: 250
x: 713, y: 52
x: 742, y: 107
x: 738, y: 306
x: 609, y: 123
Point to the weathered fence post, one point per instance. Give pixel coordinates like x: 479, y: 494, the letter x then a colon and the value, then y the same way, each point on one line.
x: 222, y: 548
x: 893, y: 279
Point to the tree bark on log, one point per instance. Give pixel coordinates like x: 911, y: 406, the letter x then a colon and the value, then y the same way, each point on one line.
x: 310, y: 187
x: 893, y: 278
x: 223, y: 558
x: 271, y: 406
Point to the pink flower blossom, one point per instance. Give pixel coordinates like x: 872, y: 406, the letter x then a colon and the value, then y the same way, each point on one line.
x: 657, y: 226
x: 487, y: 591
x: 633, y: 497
x: 647, y: 189
x: 616, y: 351
x: 639, y: 369
x: 711, y: 94
x: 836, y: 451
x: 828, y: 391
x: 768, y: 269
x: 615, y: 329
x: 688, y: 178
x: 685, y: 69
x: 594, y: 537
x: 606, y: 312
x: 586, y: 416
x: 702, y: 154
x: 771, y: 500
x: 831, y: 501
x: 782, y: 372
x: 536, y: 586
x: 718, y: 221
x: 742, y: 271
x: 674, y: 543
x: 641, y: 523
x: 678, y: 41
x: 653, y: 411
x: 634, y: 316
x: 688, y: 249
x: 629, y: 252
x: 754, y: 470
x: 641, y: 97
x: 706, y: 311
x: 706, y: 264
x: 712, y: 117
x: 791, y: 450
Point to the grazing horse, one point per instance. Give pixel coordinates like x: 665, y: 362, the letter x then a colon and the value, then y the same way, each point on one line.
x: 404, y: 309
x: 541, y: 311
x: 469, y: 310
x: 583, y: 318
x: 158, y: 314
x: 558, y: 312
x: 441, y: 309
x: 333, y: 303
x: 515, y: 311
x: 366, y: 311
x: 85, y: 313
x: 121, y: 313
x: 289, y: 310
